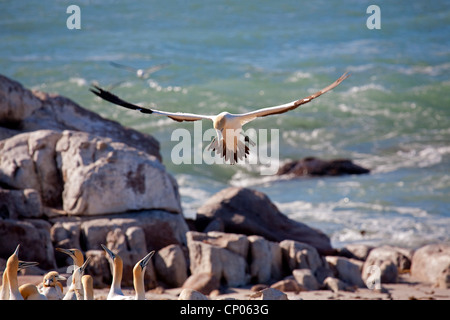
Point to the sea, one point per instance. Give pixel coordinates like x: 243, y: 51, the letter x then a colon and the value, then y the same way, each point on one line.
x: 392, y: 115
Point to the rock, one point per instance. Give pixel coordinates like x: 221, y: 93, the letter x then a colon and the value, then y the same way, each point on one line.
x: 269, y: 294
x: 390, y: 260
x: 356, y: 251
x: 246, y: 211
x: 312, y: 166
x: 34, y: 239
x: 336, y: 285
x: 95, y: 170
x: 170, y: 265
x: 206, y: 256
x: 347, y: 270
x: 203, y: 282
x: 266, y: 260
x: 25, y: 110
x: 306, y: 279
x: 27, y: 161
x: 190, y: 294
x: 300, y: 255
x: 431, y: 263
x: 288, y: 285
x: 161, y: 228
x: 15, y: 204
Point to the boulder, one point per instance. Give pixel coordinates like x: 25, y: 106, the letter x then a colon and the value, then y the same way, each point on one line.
x: 390, y: 260
x: 347, y: 270
x: 96, y: 170
x: 203, y: 282
x: 336, y: 285
x: 15, y: 204
x: 298, y: 255
x: 269, y: 294
x: 431, y: 264
x: 356, y: 251
x: 312, y: 166
x: 288, y: 285
x: 28, y: 161
x: 206, y: 256
x: 170, y: 265
x: 250, y: 212
x: 34, y: 239
x: 160, y: 228
x: 22, y: 110
x: 306, y: 279
x: 190, y: 294
x: 266, y: 260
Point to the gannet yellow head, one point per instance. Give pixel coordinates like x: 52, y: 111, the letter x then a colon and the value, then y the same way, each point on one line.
x: 142, y: 264
x: 51, y: 279
x: 14, y: 262
x: 75, y: 254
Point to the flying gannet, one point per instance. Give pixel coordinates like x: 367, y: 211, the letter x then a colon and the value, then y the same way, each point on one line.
x: 140, y: 73
x: 228, y: 126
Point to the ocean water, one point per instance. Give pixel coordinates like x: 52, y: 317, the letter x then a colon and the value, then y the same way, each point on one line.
x: 392, y: 115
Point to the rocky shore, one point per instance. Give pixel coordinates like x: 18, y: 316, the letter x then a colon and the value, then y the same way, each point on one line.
x: 72, y: 179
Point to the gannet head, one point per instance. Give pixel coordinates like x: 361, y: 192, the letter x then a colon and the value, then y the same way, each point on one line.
x: 142, y: 264
x: 74, y: 253
x: 51, y: 279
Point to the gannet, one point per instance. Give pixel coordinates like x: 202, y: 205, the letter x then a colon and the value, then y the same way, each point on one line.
x: 228, y: 126
x: 31, y: 292
x: 4, y: 291
x: 78, y: 261
x: 88, y: 287
x: 51, y: 287
x: 138, y: 276
x: 140, y: 73
x: 76, y: 279
x: 116, y: 264
x: 12, y: 267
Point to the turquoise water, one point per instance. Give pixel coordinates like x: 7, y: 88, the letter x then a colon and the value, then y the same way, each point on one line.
x: 392, y: 115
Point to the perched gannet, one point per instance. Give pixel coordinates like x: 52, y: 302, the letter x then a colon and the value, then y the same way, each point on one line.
x: 228, y: 126
x: 88, y: 286
x: 12, y: 267
x: 78, y: 261
x: 138, y: 276
x: 31, y: 292
x: 51, y: 287
x: 76, y: 279
x: 4, y: 289
x: 140, y: 73
x: 116, y: 264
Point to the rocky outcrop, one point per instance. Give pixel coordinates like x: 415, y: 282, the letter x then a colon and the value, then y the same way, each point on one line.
x: 23, y: 110
x: 431, y: 264
x: 250, y: 212
x: 317, y: 167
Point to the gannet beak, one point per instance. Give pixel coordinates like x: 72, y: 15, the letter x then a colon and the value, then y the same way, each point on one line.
x: 26, y: 264
x: 83, y: 267
x: 16, y: 252
x: 146, y: 259
x: 61, y: 278
x: 66, y: 251
x: 109, y: 252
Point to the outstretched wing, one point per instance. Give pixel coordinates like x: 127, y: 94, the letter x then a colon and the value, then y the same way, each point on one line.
x: 177, y: 116
x: 249, y: 116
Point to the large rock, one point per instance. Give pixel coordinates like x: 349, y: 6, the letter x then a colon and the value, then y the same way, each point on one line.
x: 216, y: 257
x: 390, y: 260
x: 15, y: 204
x: 431, y: 264
x: 171, y: 266
x: 22, y: 110
x: 161, y: 228
x: 298, y: 255
x: 28, y: 161
x: 250, y: 212
x: 347, y: 270
x: 316, y: 167
x: 101, y: 176
x: 33, y: 237
x: 266, y: 260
